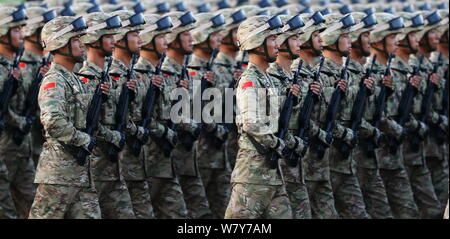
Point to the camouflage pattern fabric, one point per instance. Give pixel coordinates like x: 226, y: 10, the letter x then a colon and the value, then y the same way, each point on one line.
x: 195, y: 197
x: 114, y: 200
x: 322, y: 200
x: 374, y: 193
x: 168, y: 199
x: 7, y: 207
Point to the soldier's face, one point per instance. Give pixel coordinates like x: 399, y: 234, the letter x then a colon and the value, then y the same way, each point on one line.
x: 345, y: 43
x: 161, y: 43
x: 391, y: 43
x: 433, y: 38
x: 413, y: 41
x: 108, y: 43
x: 186, y: 41
x: 134, y: 41
x: 272, y: 46
x: 365, y: 42
x: 294, y: 45
x: 78, y: 48
x: 215, y: 40
x: 234, y: 36
x: 16, y: 36
x: 317, y: 41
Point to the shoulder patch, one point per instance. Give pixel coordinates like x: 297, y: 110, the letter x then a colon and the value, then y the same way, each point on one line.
x: 22, y: 65
x: 85, y: 80
x: 49, y: 85
x: 192, y: 73
x: 247, y: 84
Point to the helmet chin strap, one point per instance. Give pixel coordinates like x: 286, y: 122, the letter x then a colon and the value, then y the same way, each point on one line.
x: 359, y: 46
x: 384, y: 51
x: 310, y: 46
x: 127, y: 46
x: 427, y: 44
x: 9, y: 42
x: 78, y: 59
x: 288, y: 50
x: 408, y: 45
x: 154, y: 49
x: 100, y: 47
x: 208, y: 48
x: 336, y: 45
x: 38, y: 35
x: 180, y: 49
x: 265, y: 53
x: 230, y: 43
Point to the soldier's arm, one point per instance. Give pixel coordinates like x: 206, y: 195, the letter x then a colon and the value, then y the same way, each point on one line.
x: 54, y: 117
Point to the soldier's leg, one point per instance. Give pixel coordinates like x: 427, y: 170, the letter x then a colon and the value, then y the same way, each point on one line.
x: 85, y: 205
x: 206, y: 174
x: 195, y: 197
x: 167, y: 198
x: 140, y: 198
x: 321, y: 199
x: 22, y: 184
x: 348, y: 197
x: 114, y: 200
x: 399, y: 192
x: 424, y: 195
x: 218, y: 192
x: 52, y: 201
x: 7, y: 207
x: 249, y: 201
x: 280, y: 206
x: 374, y: 194
x: 298, y: 196
x: 439, y: 175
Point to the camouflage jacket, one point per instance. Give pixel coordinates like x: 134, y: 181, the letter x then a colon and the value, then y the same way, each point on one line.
x: 63, y: 101
x: 283, y: 80
x: 185, y: 164
x: 254, y: 90
x: 330, y: 76
x: 157, y: 165
x: 13, y: 118
x: 210, y: 153
x: 102, y: 167
x: 388, y: 124
x: 133, y: 167
x: 356, y: 72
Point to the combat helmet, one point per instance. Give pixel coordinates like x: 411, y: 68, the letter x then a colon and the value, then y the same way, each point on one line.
x: 37, y: 17
x: 387, y: 24
x: 100, y: 24
x: 154, y: 25
x: 207, y: 23
x: 292, y: 26
x: 12, y: 17
x: 181, y: 22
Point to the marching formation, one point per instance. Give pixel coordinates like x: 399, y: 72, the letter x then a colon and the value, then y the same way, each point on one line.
x: 235, y: 109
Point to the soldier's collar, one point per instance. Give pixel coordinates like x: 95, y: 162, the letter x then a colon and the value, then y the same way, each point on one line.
x: 172, y: 65
x: 225, y: 59
x: 119, y: 65
x: 144, y: 65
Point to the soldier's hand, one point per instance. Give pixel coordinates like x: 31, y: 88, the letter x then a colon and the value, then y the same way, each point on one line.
x: 131, y: 85
x: 209, y: 76
x: 369, y: 82
x: 343, y: 85
x: 44, y: 69
x: 105, y: 88
x: 16, y: 74
x: 435, y: 78
x: 415, y: 81
x: 157, y: 80
x: 295, y: 89
x: 387, y: 81
x: 184, y: 84
x: 316, y: 88
x: 237, y: 74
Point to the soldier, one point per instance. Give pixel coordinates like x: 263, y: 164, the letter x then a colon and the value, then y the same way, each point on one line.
x: 317, y: 172
x: 165, y: 189
x: 414, y: 149
x: 230, y: 69
x: 210, y: 151
x: 348, y: 197
x: 133, y: 166
x: 282, y: 78
x: 372, y: 187
x: 113, y: 195
x: 183, y: 154
x: 436, y: 152
x: 32, y: 58
x: 258, y: 191
x: 13, y: 184
x: 65, y: 189
x: 392, y: 170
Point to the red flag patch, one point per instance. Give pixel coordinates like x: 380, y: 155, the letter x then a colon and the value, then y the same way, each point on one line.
x: 49, y: 85
x: 167, y: 75
x: 85, y: 80
x: 247, y: 84
x: 244, y: 65
x: 22, y: 65
x: 115, y: 78
x: 192, y: 73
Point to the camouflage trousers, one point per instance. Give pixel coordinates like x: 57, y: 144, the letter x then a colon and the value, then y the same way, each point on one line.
x: 218, y: 189
x: 7, y: 207
x: 195, y: 197
x: 252, y: 201
x: 399, y: 192
x: 21, y: 176
x: 140, y: 199
x: 167, y: 198
x: 439, y: 175
x: 65, y: 202
x: 423, y: 190
x: 231, y: 148
x: 374, y: 194
x: 321, y: 199
x: 298, y: 196
x: 114, y: 200
x: 349, y: 201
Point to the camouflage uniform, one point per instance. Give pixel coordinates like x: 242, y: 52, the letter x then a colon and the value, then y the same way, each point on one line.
x: 165, y: 188
x: 293, y: 176
x: 17, y: 158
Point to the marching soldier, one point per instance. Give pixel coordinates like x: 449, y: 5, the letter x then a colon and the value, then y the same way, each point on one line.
x: 66, y: 189
x: 113, y: 195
